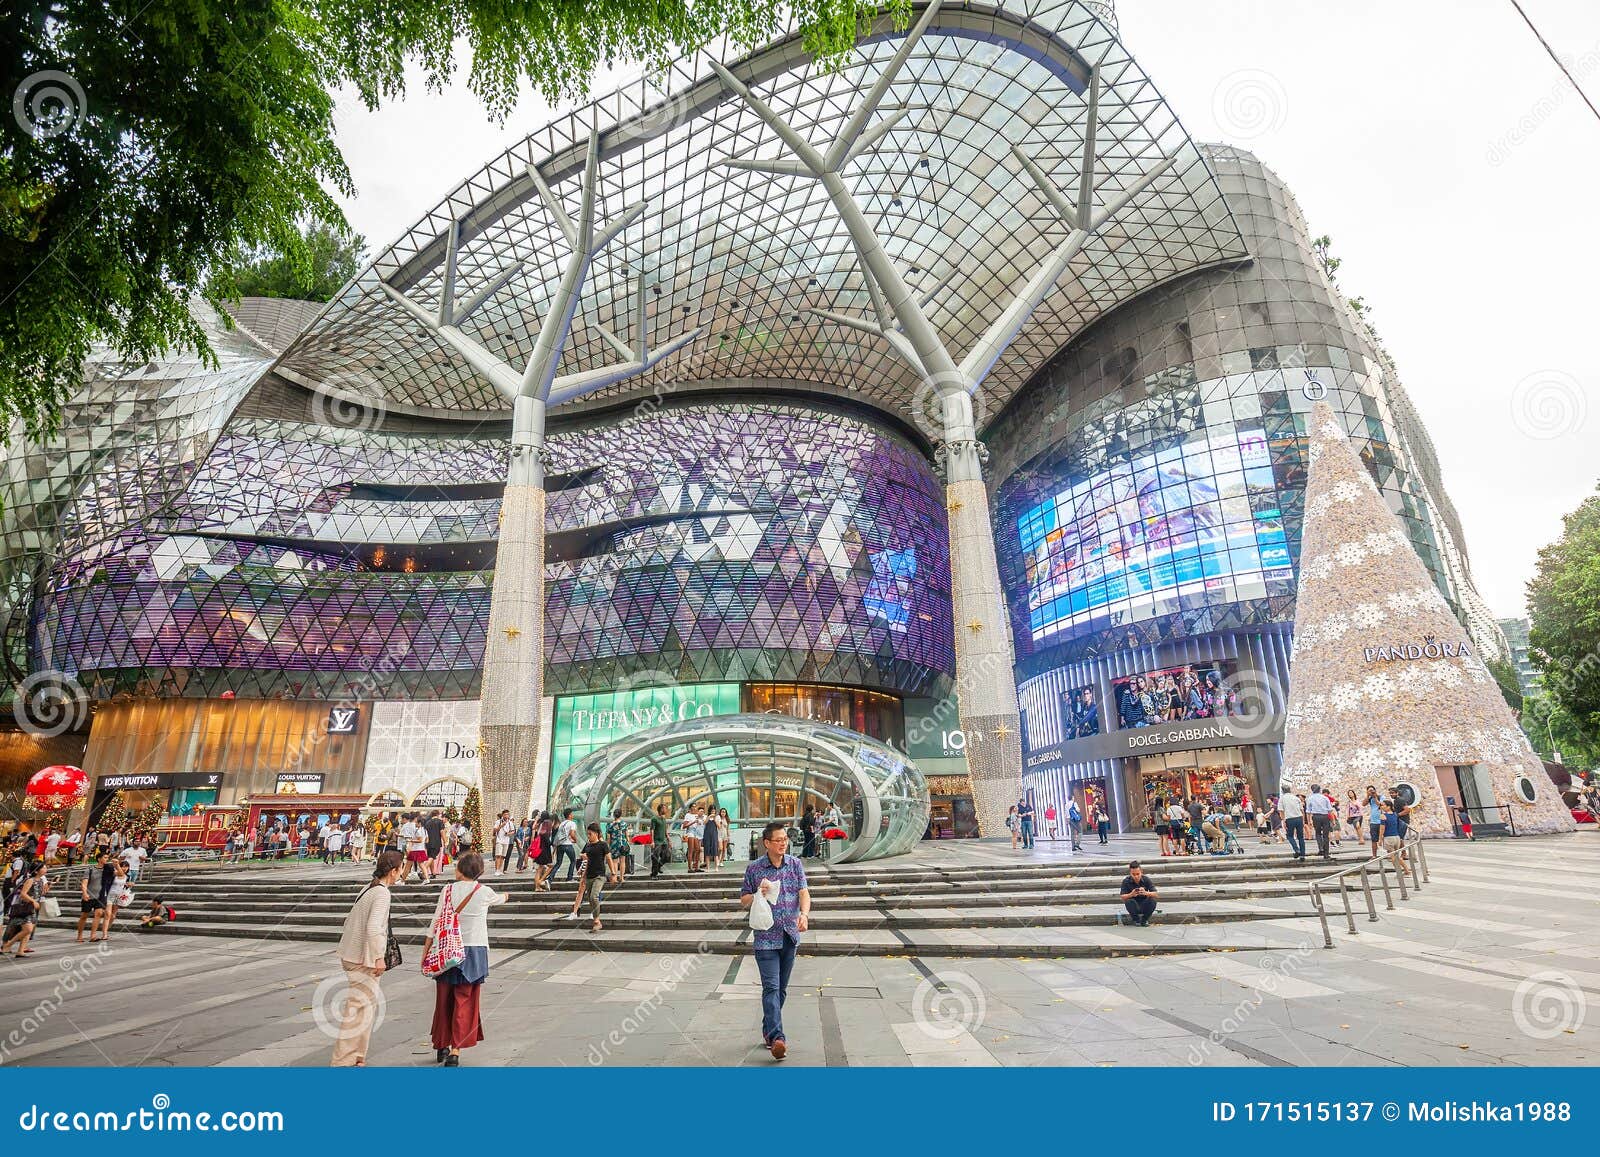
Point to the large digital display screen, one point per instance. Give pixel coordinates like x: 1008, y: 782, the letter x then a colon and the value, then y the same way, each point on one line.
x: 1185, y: 519
x: 1174, y: 694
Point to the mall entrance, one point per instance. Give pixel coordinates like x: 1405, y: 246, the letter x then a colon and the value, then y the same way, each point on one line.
x: 1218, y: 775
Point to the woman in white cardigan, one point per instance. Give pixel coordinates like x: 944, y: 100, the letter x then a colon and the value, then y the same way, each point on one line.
x: 455, y: 1007
x: 361, y: 951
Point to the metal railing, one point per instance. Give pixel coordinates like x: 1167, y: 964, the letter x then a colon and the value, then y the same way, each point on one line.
x: 1397, y: 861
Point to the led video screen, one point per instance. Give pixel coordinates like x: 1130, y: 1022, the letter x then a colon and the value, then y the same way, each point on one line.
x: 1184, y: 519
x: 1173, y: 694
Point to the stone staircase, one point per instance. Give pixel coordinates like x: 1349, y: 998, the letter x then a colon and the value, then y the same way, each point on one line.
x: 1064, y: 908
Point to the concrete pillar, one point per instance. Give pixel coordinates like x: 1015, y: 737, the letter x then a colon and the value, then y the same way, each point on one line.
x: 513, y: 653
x: 986, y: 685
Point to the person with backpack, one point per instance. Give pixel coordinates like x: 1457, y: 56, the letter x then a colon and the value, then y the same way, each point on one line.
x: 544, y: 852
x: 1075, y: 825
x: 1102, y: 823
x: 457, y: 1016
x: 26, y: 904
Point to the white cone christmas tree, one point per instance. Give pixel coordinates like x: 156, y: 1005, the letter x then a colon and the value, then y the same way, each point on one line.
x: 1385, y: 686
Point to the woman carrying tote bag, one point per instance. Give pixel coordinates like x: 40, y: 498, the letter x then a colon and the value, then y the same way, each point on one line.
x: 367, y: 949
x: 456, y: 1023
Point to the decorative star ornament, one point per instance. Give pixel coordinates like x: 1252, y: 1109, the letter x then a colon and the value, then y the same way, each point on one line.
x: 955, y: 506
x: 1001, y: 732
x: 975, y: 626
x: 513, y: 632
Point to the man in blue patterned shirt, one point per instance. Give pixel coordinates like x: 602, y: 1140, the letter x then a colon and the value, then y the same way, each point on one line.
x: 781, y: 878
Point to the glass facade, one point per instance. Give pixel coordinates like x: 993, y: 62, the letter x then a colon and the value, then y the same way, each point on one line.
x: 760, y: 768
x: 687, y: 543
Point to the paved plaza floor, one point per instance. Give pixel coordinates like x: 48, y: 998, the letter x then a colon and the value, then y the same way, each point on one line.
x: 1496, y: 963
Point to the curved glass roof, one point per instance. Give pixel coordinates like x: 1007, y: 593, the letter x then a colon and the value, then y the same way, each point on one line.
x: 761, y: 768
x: 746, y: 254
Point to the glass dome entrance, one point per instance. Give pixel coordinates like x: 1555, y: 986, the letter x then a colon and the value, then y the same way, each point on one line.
x: 760, y: 768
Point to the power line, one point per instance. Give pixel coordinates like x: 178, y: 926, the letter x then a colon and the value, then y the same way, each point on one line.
x: 1559, y: 63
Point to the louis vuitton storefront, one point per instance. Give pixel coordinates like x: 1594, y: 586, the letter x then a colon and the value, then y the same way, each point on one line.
x: 183, y: 754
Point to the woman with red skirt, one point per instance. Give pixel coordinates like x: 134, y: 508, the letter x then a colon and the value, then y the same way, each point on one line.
x: 455, y: 1005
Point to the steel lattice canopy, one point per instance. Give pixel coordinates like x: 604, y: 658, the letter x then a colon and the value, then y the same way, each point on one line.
x: 746, y: 255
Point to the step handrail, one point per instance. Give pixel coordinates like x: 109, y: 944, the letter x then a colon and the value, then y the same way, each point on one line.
x: 1397, y: 859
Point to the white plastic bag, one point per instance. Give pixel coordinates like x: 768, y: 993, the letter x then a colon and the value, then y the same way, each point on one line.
x: 760, y: 912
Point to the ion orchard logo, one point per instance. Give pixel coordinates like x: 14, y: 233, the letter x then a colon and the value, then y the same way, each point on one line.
x: 48, y: 104
x: 48, y: 703
x: 1548, y: 1004
x: 1248, y: 104
x: 330, y: 1002
x: 1549, y: 404
x: 946, y: 1009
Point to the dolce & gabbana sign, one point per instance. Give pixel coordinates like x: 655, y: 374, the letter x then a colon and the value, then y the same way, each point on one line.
x: 1169, y: 735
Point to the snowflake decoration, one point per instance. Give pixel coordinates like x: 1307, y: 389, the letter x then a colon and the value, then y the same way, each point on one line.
x: 1331, y: 430
x: 1319, y: 568
x: 1381, y: 544
x: 1378, y: 688
x: 1367, y: 761
x: 1412, y: 680
x: 1333, y: 628
x: 1350, y: 554
x: 1367, y: 615
x: 1315, y: 452
x: 1344, y: 697
x: 1402, y: 603
x: 1345, y: 492
x: 1446, y: 675
x: 1405, y: 754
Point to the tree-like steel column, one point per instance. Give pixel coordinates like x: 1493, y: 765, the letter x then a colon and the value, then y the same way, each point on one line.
x: 986, y: 686
x: 513, y: 659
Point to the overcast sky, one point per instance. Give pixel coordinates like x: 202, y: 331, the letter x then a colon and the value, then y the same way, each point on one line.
x: 1436, y: 143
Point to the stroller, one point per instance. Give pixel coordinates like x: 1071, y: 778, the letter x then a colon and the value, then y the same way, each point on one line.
x: 1229, y: 843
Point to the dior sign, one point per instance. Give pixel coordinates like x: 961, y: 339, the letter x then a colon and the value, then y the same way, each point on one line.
x: 455, y: 749
x: 1428, y: 649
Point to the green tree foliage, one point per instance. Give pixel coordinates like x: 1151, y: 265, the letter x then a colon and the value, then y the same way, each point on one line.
x: 1550, y: 729
x: 162, y: 144
x: 1564, y: 617
x: 333, y: 255
x: 1505, y: 675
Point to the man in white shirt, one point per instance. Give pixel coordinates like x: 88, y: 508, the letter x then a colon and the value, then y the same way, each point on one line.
x: 51, y: 843
x: 566, y: 845
x: 134, y: 856
x: 1320, y: 808
x: 1294, y: 822
x: 332, y: 843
